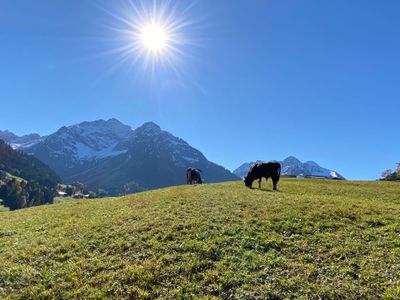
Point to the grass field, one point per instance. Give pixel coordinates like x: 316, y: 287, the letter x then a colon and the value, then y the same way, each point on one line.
x: 3, y: 208
x: 313, y: 239
x: 58, y: 200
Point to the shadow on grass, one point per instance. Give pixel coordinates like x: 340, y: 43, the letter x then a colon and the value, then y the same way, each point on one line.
x: 264, y: 190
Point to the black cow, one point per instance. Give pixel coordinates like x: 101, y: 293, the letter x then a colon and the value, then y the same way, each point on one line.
x: 193, y: 175
x: 264, y: 169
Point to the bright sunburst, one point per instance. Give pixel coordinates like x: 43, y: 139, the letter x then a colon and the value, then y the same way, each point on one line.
x: 154, y: 37
x: 153, y: 34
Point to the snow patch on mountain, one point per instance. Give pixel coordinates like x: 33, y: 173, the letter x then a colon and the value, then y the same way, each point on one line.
x: 20, y: 142
x: 84, y: 152
x: 190, y: 159
x: 86, y: 141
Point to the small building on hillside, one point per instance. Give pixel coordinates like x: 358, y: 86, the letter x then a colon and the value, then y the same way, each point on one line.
x: 61, y: 194
x: 80, y: 196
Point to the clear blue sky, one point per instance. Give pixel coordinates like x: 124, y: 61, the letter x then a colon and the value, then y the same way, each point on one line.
x: 265, y: 79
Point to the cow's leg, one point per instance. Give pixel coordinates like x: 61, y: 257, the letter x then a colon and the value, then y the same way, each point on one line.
x: 274, y: 181
x: 259, y: 182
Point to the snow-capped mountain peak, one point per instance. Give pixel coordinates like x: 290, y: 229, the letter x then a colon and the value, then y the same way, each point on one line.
x: 7, y: 135
x: 20, y: 142
x: 85, y: 141
x: 291, y: 160
x: 111, y: 155
x: 148, y: 129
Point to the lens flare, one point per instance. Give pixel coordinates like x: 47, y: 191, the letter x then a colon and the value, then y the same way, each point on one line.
x: 153, y: 34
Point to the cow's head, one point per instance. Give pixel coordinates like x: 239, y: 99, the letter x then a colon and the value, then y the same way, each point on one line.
x: 247, y: 181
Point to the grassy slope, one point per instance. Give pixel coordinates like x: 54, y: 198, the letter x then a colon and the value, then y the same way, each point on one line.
x: 313, y: 238
x: 58, y: 200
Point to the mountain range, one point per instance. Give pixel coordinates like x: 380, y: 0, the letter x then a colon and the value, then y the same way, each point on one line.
x: 20, y: 142
x: 291, y: 166
x: 110, y: 155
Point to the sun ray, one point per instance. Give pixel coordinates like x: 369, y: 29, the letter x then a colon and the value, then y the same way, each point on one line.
x: 153, y: 34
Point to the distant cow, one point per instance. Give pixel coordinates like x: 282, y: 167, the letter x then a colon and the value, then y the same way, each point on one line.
x: 264, y: 169
x: 193, y: 175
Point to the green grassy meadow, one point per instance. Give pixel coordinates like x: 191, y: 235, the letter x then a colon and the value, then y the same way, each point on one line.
x: 3, y: 208
x: 58, y: 200
x: 312, y: 239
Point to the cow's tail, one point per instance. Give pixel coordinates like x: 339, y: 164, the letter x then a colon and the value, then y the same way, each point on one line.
x: 279, y: 171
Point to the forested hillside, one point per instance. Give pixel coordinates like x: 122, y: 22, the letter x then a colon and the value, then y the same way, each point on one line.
x: 24, y: 180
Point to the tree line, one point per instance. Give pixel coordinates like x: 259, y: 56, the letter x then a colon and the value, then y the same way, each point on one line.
x: 17, y: 194
x: 391, y: 175
x: 25, y: 181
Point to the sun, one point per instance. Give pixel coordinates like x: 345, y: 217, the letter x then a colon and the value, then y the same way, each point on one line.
x: 154, y: 38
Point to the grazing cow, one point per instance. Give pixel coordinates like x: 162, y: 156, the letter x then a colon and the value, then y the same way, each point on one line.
x: 193, y: 175
x: 264, y: 169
